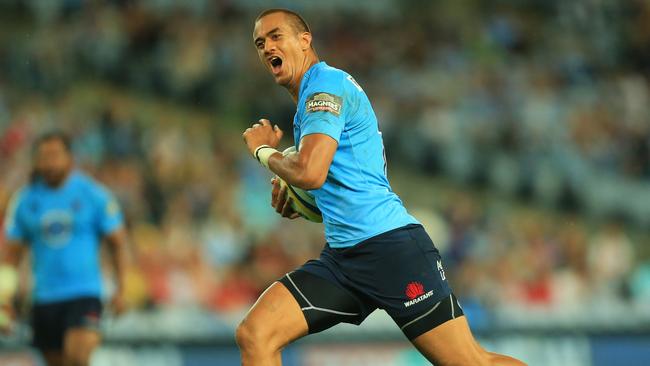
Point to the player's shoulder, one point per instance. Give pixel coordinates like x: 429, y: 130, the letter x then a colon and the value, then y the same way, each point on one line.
x: 89, y: 184
x: 19, y: 196
x: 333, y: 81
x: 325, y: 71
x: 327, y: 76
x: 82, y: 180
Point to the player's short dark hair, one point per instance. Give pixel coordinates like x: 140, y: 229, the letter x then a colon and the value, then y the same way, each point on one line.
x: 297, y: 22
x: 53, y: 135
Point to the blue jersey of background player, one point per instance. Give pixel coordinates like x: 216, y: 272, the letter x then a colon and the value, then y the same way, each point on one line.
x: 62, y: 215
x: 63, y: 228
x: 356, y: 199
x: 377, y: 256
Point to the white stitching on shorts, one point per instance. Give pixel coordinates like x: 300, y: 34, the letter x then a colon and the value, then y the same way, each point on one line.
x: 329, y: 311
x: 312, y: 307
x: 451, y: 301
x: 300, y: 292
x: 421, y: 316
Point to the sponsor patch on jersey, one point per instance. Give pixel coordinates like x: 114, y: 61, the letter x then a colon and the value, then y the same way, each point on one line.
x: 324, y: 102
x: 57, y: 227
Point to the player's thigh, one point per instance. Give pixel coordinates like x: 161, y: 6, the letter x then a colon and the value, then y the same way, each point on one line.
x: 274, y: 321
x: 323, y: 299
x: 48, y: 330
x: 82, y: 336
x: 451, y: 343
x: 79, y: 343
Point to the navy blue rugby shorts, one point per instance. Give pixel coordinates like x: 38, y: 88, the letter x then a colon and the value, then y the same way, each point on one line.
x: 399, y: 271
x: 51, y: 321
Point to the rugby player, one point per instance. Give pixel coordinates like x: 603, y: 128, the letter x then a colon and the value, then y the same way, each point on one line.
x: 376, y: 255
x: 61, y: 216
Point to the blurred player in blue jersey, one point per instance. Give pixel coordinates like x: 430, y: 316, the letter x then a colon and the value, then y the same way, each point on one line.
x: 61, y: 216
x: 376, y: 255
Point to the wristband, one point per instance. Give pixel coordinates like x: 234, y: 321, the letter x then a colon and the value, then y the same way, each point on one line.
x: 263, y: 153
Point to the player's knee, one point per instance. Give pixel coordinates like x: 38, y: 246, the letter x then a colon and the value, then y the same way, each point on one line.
x: 79, y: 354
x: 77, y: 358
x: 481, y: 356
x: 495, y: 359
x: 468, y: 361
x: 469, y: 357
x: 242, y: 336
x: 253, y: 338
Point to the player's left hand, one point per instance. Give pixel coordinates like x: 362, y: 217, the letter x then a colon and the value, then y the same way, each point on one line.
x: 118, y: 303
x: 262, y: 133
x: 280, y: 200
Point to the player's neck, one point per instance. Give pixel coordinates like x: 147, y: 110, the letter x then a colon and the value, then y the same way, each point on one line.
x: 294, y: 89
x: 59, y: 182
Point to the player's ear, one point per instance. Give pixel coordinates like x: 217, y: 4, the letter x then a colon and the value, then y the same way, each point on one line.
x: 305, y: 40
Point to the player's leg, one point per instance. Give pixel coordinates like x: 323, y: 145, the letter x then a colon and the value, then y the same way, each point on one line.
x: 452, y: 343
x: 273, y: 322
x: 79, y: 344
x: 300, y: 303
x: 440, y: 331
x: 82, y: 334
x: 47, y: 332
x: 402, y: 271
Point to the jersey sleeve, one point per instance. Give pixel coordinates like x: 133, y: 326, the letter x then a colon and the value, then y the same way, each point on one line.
x: 325, y: 107
x: 14, y: 225
x: 109, y: 215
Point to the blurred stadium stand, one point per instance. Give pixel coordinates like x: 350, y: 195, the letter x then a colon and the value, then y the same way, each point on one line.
x: 519, y: 135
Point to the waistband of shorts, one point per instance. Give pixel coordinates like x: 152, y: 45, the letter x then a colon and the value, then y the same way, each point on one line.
x: 381, y: 236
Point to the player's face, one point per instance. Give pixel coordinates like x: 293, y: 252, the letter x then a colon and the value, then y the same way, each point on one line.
x: 53, y: 161
x: 280, y: 48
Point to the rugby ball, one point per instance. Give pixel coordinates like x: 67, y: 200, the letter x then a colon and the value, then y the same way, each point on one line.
x: 302, y: 201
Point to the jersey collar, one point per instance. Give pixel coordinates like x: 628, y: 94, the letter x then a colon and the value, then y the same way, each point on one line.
x: 305, y: 78
x: 72, y: 177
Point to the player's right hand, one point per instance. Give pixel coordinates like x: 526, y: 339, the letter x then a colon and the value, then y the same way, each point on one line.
x: 280, y: 200
x: 262, y: 133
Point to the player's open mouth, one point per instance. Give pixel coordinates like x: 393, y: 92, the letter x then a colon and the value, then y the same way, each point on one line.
x: 276, y: 64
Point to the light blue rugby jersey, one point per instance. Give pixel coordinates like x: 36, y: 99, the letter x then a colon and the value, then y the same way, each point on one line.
x: 64, y: 227
x: 356, y: 200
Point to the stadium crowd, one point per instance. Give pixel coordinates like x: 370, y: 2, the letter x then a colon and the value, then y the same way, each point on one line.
x: 517, y: 104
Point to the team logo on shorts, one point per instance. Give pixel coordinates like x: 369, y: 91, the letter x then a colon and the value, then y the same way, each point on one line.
x: 324, y: 102
x: 415, y: 293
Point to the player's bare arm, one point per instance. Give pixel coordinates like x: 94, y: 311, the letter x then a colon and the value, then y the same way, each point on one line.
x: 260, y: 137
x: 307, y: 168
x: 117, y: 242
x: 13, y: 253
